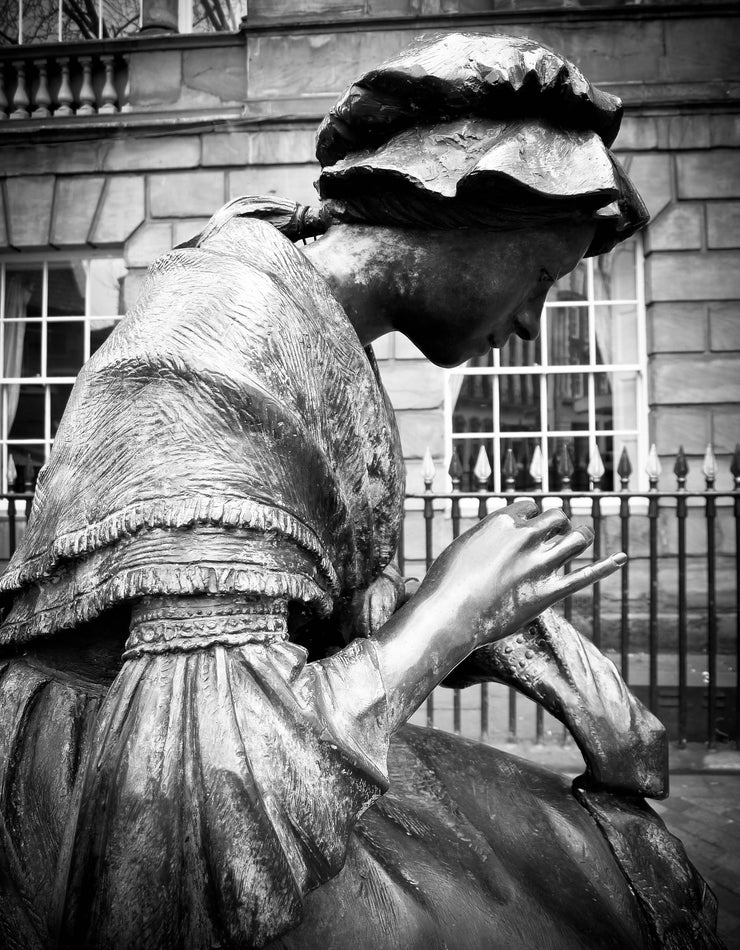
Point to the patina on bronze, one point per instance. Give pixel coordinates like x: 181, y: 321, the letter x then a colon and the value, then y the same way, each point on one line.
x: 207, y: 662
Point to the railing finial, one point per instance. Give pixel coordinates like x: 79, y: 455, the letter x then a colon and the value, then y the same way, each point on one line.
x: 709, y: 467
x: 735, y: 466
x: 509, y: 471
x: 482, y: 470
x: 564, y: 464
x: 428, y: 470
x: 455, y: 470
x: 653, y: 467
x: 681, y: 469
x: 537, y: 467
x: 595, y: 469
x: 624, y: 469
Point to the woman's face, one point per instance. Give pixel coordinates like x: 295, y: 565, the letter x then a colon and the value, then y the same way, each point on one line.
x: 470, y: 290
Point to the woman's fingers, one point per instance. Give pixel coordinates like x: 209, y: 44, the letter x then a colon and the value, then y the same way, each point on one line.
x: 574, y: 542
x: 590, y: 574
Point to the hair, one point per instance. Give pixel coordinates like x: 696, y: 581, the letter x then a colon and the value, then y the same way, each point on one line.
x: 399, y: 209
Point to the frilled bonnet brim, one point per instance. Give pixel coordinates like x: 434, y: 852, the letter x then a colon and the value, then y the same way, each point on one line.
x: 481, y: 117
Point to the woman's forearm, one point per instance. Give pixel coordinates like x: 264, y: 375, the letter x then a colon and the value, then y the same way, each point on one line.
x: 420, y: 645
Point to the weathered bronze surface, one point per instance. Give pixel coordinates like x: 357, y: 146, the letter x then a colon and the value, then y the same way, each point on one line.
x: 207, y: 662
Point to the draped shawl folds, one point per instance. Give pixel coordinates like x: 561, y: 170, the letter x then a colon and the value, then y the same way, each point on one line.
x: 230, y: 435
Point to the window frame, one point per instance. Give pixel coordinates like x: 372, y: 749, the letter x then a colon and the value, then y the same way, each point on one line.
x: 45, y: 258
x: 496, y: 437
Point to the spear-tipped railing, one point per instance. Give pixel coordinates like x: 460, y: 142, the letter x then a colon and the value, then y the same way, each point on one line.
x: 682, y: 619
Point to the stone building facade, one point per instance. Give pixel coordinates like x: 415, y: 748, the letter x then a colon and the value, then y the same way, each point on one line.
x: 120, y: 149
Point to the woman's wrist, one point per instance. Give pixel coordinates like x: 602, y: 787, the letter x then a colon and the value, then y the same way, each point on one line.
x: 420, y: 645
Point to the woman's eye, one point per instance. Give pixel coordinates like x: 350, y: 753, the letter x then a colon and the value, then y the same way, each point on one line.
x: 546, y: 277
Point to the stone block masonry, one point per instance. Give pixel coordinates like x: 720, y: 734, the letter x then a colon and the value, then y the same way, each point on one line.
x: 691, y: 181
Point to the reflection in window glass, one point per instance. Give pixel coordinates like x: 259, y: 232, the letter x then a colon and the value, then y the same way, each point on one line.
x: 65, y: 347
x: 24, y: 291
x: 552, y: 395
x: 46, y: 334
x: 67, y: 289
x: 100, y: 330
x: 58, y: 396
x: 28, y: 418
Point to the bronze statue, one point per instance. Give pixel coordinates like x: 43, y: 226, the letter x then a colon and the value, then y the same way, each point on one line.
x: 204, y: 678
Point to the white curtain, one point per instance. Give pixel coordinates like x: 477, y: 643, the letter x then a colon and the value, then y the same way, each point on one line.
x: 16, y: 302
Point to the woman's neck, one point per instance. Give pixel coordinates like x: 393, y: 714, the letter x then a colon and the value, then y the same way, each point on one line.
x: 361, y: 265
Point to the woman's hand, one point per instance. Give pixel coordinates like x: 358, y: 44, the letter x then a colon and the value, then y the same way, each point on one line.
x: 503, y: 572
x: 489, y: 582
x: 372, y: 608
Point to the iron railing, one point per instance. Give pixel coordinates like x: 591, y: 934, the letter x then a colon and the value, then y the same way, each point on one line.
x: 670, y: 622
x: 669, y: 619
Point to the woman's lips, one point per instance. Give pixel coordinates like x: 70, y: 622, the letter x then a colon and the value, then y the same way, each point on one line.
x: 496, y: 342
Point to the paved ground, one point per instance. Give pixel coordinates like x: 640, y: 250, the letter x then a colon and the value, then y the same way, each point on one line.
x: 704, y: 812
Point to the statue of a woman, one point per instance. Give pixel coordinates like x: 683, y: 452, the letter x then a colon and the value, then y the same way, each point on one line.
x: 194, y: 740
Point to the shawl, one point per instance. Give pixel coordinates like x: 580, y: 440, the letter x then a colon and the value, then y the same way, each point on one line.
x: 230, y: 435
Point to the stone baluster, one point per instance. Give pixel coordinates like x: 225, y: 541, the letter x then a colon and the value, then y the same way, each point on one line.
x: 3, y: 97
x: 87, y: 93
x: 65, y: 90
x: 43, y: 99
x: 20, y: 100
x: 108, y: 95
x: 126, y: 99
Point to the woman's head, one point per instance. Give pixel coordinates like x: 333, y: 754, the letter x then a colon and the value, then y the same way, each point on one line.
x: 459, y: 179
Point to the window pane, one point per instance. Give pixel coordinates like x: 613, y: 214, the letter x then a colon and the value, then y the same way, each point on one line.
x: 27, y: 461
x: 615, y: 275
x: 22, y: 342
x: 209, y: 18
x: 58, y: 396
x: 67, y: 289
x: 26, y: 417
x: 473, y: 399
x: 573, y: 286
x: 616, y: 334
x: 23, y: 291
x: 106, y: 286
x: 8, y: 24
x: 65, y: 347
x: 121, y: 17
x: 567, y: 336
x: 40, y: 20
x: 616, y: 400
x: 518, y: 352
x: 567, y: 401
x: 520, y: 403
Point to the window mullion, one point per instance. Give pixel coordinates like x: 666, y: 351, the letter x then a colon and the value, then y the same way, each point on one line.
x: 643, y: 406
x: 86, y: 330
x: 592, y: 360
x: 496, y: 397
